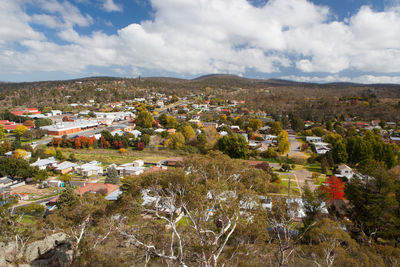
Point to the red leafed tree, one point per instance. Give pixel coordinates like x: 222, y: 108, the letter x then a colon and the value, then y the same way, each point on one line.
x: 56, y: 142
x: 77, y: 143
x: 335, y: 187
x: 104, y: 143
x: 140, y: 146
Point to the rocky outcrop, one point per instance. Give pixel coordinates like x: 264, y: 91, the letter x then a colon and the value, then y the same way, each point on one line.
x: 54, y: 250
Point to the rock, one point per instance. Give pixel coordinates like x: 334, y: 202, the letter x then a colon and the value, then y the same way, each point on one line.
x: 55, y: 250
x: 9, y: 252
x: 34, y: 250
x: 3, y: 262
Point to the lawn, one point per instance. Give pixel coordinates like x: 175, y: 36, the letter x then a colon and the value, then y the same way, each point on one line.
x: 320, y: 180
x: 294, y: 192
x: 28, y: 219
x: 314, y: 167
x: 284, y: 184
x: 109, y: 156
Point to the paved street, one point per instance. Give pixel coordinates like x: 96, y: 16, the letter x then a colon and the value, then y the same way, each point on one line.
x: 303, y: 176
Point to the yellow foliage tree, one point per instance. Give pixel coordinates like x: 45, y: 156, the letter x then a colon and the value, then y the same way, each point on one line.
x: 20, y: 154
x: 20, y: 130
x: 283, y: 142
x: 50, y: 151
x: 175, y: 141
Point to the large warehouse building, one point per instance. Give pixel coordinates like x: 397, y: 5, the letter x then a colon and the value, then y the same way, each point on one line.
x: 65, y: 128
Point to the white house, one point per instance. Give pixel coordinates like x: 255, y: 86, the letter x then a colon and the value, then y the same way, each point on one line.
x: 345, y: 171
x: 89, y: 169
x: 42, y: 164
x: 5, y: 182
x: 65, y: 167
x: 136, y: 133
x: 55, y: 113
x: 313, y: 139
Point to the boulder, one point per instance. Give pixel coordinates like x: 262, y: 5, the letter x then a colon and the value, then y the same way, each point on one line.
x: 36, y: 249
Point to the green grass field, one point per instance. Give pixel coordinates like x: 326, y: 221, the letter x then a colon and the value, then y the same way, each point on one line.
x: 314, y: 167
x: 109, y: 156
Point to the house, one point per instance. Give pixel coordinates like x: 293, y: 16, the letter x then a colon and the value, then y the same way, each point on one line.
x: 155, y: 169
x: 54, y: 113
x: 42, y: 164
x: 223, y: 133
x: 138, y: 163
x: 10, y: 126
x: 53, y: 200
x: 104, y: 189
x: 129, y: 170
x: 345, y: 171
x: 89, y: 169
x: 65, y: 167
x: 321, y: 148
x: 270, y: 137
x: 24, y: 155
x: 5, y: 182
x: 297, y: 209
x: 210, y: 124
x: 25, y: 111
x: 172, y: 162
x: 313, y: 139
x: 263, y: 147
x: 235, y: 128
x: 113, y: 196
x: 395, y: 140
x: 55, y: 183
x: 136, y: 133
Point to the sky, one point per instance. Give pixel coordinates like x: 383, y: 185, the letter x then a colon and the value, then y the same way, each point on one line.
x: 302, y: 40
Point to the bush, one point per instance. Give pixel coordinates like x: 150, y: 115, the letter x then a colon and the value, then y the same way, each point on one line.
x: 32, y: 208
x: 122, y: 150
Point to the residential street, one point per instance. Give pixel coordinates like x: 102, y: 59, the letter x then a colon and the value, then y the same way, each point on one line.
x: 303, y: 176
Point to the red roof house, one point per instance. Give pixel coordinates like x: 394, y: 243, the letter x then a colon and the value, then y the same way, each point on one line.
x: 103, y: 189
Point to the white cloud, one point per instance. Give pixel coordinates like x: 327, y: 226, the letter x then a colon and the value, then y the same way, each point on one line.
x: 363, y: 79
x: 209, y: 36
x: 69, y: 13
x: 46, y: 20
x: 14, y: 23
x: 110, y: 6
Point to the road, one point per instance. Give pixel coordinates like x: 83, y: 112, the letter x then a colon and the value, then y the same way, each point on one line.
x: 295, y: 145
x: 26, y: 203
x: 303, y: 176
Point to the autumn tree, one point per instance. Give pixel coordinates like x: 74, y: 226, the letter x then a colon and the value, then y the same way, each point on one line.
x: 335, y: 188
x: 255, y: 124
x: 171, y: 123
x: 175, y: 141
x: 283, y: 142
x: 145, y: 119
x: 20, y: 130
x: 188, y: 133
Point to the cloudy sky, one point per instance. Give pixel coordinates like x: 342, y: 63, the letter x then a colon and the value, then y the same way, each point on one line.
x: 304, y: 40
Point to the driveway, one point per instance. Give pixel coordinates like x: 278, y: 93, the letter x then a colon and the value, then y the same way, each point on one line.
x: 303, y: 178
x: 295, y: 145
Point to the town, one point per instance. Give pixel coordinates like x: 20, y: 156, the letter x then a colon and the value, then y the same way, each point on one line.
x: 145, y: 147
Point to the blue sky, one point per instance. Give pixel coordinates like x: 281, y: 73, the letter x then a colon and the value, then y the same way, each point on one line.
x: 303, y: 40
